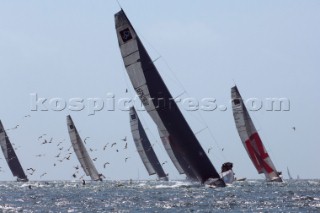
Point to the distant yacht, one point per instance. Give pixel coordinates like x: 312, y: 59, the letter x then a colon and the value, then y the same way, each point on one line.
x: 81, y: 152
x: 289, y: 175
x: 10, y: 156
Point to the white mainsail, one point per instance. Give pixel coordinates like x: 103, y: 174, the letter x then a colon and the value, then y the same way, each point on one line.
x: 81, y: 151
x: 251, y: 139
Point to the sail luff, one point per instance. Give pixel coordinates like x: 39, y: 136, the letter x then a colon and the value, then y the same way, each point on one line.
x: 160, y: 105
x: 10, y: 156
x: 144, y: 147
x: 251, y: 139
x: 81, y: 151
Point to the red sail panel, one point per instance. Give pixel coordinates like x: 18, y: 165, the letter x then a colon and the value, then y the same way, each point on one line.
x: 258, y: 153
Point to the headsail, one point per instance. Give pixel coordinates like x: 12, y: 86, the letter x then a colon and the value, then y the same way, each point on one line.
x: 144, y: 147
x: 180, y: 142
x: 251, y: 139
x: 10, y: 156
x: 81, y: 151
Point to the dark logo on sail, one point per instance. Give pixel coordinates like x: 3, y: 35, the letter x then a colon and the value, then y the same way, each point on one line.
x: 236, y: 101
x: 125, y: 35
x: 133, y: 116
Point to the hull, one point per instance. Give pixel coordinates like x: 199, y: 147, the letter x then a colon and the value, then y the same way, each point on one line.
x: 228, y: 177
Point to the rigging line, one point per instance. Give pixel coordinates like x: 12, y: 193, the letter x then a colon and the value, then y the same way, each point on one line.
x: 184, y: 91
x: 156, y: 59
x: 175, y: 76
x: 181, y: 85
x: 202, y: 121
x: 166, y: 63
x: 160, y: 56
x: 201, y: 118
x: 119, y: 4
x: 234, y: 82
x: 180, y: 95
x: 212, y: 136
x: 200, y: 130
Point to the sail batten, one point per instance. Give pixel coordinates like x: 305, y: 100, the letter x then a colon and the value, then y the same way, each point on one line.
x: 81, y: 151
x: 179, y: 141
x: 10, y: 156
x: 251, y: 139
x: 144, y: 147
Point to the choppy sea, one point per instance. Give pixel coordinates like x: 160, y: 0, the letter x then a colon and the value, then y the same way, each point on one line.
x: 157, y: 196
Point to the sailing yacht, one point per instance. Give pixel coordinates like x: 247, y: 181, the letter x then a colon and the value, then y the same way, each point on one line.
x: 145, y: 148
x: 81, y: 152
x: 251, y: 139
x: 289, y: 175
x: 11, y: 157
x: 177, y: 137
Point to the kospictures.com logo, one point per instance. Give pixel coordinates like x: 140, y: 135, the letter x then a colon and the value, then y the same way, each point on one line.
x: 111, y: 103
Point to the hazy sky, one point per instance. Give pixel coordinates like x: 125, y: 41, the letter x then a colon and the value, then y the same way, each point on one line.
x: 68, y: 49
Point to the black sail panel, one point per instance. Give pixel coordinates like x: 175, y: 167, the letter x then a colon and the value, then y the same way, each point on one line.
x: 159, y: 103
x: 10, y: 156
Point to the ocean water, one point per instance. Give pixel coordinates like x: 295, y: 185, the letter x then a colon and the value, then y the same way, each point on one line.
x: 157, y: 196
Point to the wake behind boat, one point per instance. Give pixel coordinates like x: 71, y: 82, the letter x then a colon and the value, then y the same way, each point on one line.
x: 10, y: 156
x: 81, y: 152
